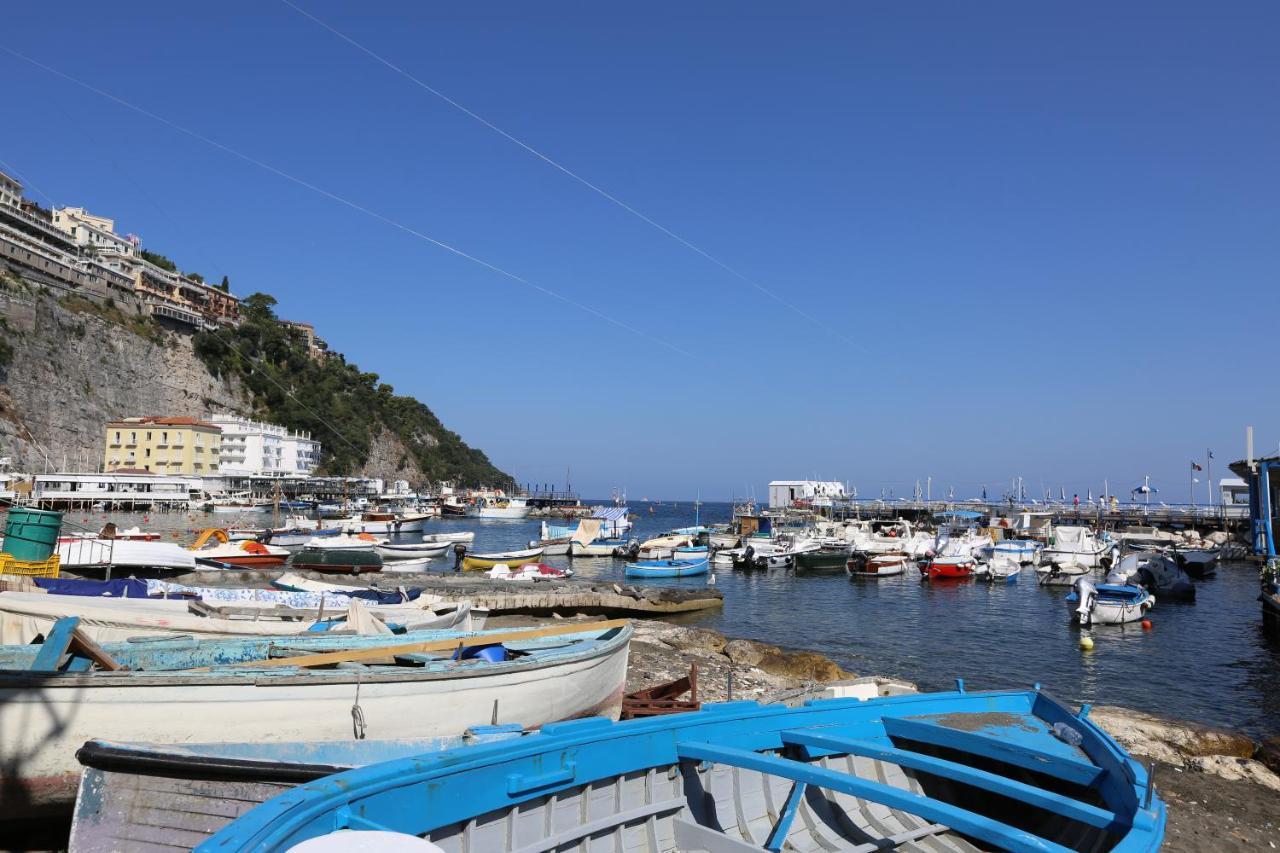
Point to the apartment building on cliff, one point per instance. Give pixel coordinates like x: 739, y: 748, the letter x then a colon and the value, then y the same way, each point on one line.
x: 163, y: 446
x: 253, y: 449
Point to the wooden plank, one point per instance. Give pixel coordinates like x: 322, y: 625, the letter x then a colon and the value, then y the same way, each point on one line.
x: 55, y: 644
x: 83, y: 645
x: 378, y: 652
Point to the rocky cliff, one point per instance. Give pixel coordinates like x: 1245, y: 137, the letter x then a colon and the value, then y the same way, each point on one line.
x: 68, y: 365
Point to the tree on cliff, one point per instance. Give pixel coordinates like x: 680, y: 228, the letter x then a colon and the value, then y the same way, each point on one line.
x: 342, y: 406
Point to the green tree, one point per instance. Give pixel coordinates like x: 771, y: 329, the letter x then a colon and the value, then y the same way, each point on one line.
x: 225, y: 287
x: 158, y: 259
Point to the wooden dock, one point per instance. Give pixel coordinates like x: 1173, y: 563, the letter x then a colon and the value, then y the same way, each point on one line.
x: 542, y: 598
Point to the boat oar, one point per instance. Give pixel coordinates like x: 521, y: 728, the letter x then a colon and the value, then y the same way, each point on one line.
x: 450, y: 644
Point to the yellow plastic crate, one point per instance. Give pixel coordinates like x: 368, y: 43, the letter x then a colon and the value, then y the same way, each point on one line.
x: 49, y: 568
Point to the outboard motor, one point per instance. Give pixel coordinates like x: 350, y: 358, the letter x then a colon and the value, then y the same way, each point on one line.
x: 1087, y: 594
x: 749, y: 556
x: 459, y: 551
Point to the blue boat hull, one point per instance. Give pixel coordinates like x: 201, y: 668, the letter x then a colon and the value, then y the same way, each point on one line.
x: 1012, y: 770
x: 668, y: 568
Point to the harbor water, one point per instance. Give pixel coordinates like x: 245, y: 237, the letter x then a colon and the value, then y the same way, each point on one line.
x: 1207, y: 661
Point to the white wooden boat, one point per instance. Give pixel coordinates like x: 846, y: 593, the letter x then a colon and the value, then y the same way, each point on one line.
x: 383, y: 523
x: 47, y: 714
x: 25, y: 616
x: 466, y: 537
x: 85, y: 554
x: 558, y: 547
x: 346, y: 542
x: 879, y: 566
x: 396, y: 551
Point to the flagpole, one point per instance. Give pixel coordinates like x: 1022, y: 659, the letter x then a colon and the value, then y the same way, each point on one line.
x: 1208, y: 463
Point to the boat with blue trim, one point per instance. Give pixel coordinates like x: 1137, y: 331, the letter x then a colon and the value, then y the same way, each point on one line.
x: 668, y: 568
x: 955, y: 771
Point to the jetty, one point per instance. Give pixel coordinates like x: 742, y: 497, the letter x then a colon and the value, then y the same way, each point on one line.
x: 535, y: 598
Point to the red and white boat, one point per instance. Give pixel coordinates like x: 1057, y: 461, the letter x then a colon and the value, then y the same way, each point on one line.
x: 245, y: 553
x: 948, y: 567
x: 528, y: 572
x: 879, y: 566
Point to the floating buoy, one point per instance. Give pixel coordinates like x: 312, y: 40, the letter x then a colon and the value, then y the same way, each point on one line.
x: 1146, y: 624
x: 1086, y: 644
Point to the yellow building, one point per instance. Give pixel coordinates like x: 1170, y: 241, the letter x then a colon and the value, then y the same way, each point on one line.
x: 163, y: 446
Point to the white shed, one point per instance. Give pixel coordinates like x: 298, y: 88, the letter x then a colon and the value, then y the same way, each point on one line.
x: 785, y: 493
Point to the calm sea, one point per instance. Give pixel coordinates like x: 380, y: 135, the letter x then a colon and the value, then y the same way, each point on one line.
x: 1206, y: 661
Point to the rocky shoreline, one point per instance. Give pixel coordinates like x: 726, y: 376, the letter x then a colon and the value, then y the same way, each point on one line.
x: 1222, y: 788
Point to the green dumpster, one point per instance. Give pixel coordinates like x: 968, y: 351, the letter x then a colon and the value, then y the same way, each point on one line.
x: 31, y: 534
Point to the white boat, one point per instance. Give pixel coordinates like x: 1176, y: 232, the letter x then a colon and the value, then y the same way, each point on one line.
x: 1079, y: 545
x: 783, y: 552
x: 82, y: 554
x: 1108, y: 603
x: 510, y: 509
x: 559, y: 547
x: 429, y: 550
x: 528, y: 572
x: 887, y: 536
x: 879, y: 566
x: 164, y: 695
x: 466, y: 537
x: 1001, y: 568
x: 346, y: 542
x: 1022, y: 551
x: 383, y: 523
x: 1060, y: 574
x: 26, y: 616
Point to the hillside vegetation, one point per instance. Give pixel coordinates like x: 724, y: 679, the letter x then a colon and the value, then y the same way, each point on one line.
x: 343, y: 407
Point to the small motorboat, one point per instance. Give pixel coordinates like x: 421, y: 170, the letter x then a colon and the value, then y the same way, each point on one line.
x: 948, y: 567
x: 557, y: 547
x: 1155, y: 571
x: 480, y: 562
x: 1001, y: 568
x: 345, y: 542
x: 427, y: 550
x: 1064, y: 573
x: 877, y: 566
x: 691, y: 553
x: 1108, y: 603
x: 384, y: 522
x: 826, y: 558
x: 1003, y: 770
x: 245, y: 553
x: 346, y: 561
x: 668, y: 568
x: 1022, y: 551
x: 528, y: 572
x: 1080, y: 546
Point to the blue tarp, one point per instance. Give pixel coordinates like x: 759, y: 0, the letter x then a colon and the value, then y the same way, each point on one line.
x: 379, y: 597
x: 125, y: 587
x: 610, y: 513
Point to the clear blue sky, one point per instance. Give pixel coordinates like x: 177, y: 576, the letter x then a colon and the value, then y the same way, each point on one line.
x: 1036, y: 240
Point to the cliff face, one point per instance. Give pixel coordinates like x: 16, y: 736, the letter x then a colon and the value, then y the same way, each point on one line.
x: 76, y: 365
x: 69, y: 365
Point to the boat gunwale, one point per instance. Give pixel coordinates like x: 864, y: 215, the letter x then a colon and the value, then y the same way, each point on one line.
x: 256, y: 676
x: 279, y: 819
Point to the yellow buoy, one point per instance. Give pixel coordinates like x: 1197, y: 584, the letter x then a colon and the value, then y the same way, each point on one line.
x: 1086, y: 644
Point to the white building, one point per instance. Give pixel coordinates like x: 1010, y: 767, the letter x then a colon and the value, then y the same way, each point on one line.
x: 785, y: 493
x: 131, y: 489
x: 96, y: 232
x: 10, y: 191
x: 1233, y: 491
x: 254, y: 449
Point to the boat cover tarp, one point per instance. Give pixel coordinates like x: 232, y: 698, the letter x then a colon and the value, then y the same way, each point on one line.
x: 588, y: 530
x: 1069, y: 538
x: 121, y: 588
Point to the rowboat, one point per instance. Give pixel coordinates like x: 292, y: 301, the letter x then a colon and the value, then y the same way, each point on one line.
x: 691, y: 553
x: 25, y: 617
x: 125, y: 784
x: 668, y: 568
x: 955, y: 771
x: 463, y: 536
x: 479, y: 562
x: 557, y: 547
x: 384, y: 523
x: 345, y: 542
x: 825, y: 559
x: 343, y: 561
x: 181, y: 691
x: 879, y: 566
x: 598, y: 548
x: 388, y: 551
x: 1108, y: 603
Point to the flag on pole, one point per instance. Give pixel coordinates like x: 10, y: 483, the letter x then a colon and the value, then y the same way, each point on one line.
x: 1195, y: 467
x: 1210, y: 454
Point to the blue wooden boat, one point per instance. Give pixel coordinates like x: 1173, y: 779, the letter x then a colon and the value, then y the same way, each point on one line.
x: 668, y: 568
x: 956, y: 771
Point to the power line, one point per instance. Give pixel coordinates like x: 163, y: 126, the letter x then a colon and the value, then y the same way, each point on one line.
x: 570, y: 173
x: 346, y: 202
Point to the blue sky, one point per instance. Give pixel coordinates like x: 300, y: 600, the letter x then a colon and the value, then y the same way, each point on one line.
x: 1018, y: 239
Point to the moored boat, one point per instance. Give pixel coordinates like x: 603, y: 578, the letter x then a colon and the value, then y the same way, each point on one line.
x: 667, y: 568
x: 879, y: 566
x: 528, y: 572
x: 957, y: 771
x: 826, y: 558
x: 345, y: 542
x: 237, y: 690
x: 390, y: 551
x: 384, y: 523
x: 245, y: 553
x: 1081, y: 546
x: 505, y: 509
x: 1108, y: 603
x: 948, y: 567
x: 346, y: 561
x: 480, y: 562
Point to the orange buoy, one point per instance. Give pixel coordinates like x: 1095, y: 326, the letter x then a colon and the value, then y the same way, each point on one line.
x: 1146, y: 624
